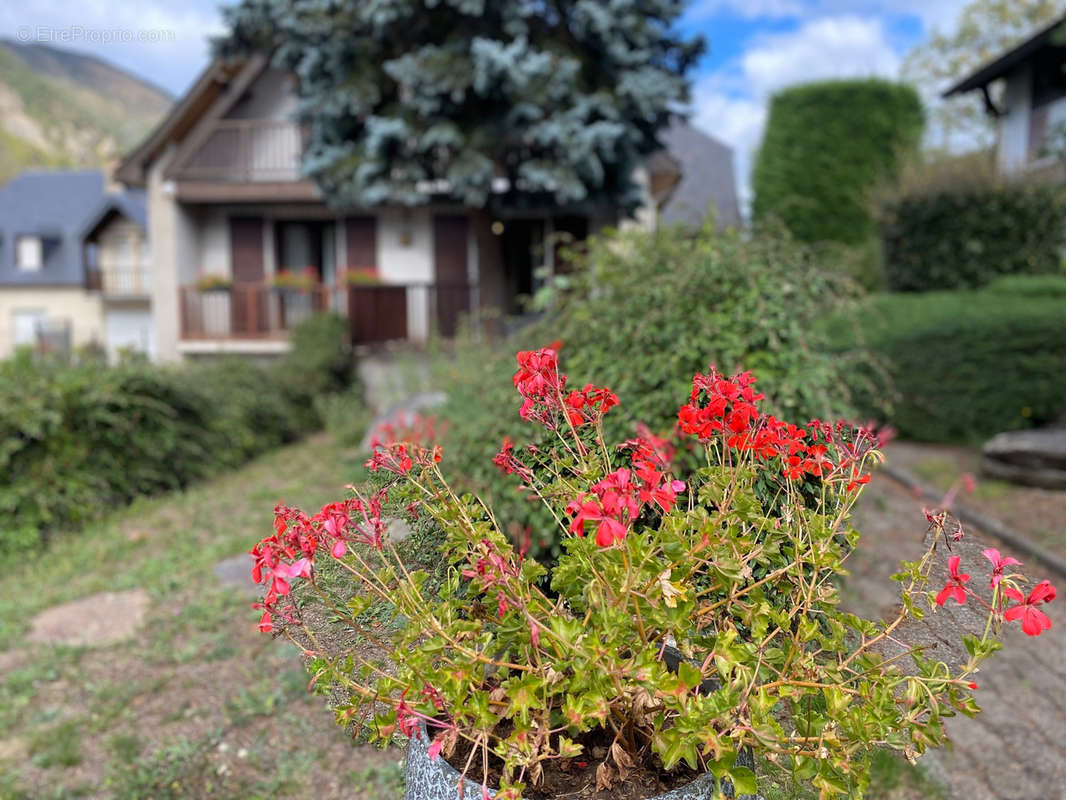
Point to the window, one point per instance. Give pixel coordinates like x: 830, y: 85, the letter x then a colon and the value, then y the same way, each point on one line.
x: 28, y: 323
x: 28, y: 256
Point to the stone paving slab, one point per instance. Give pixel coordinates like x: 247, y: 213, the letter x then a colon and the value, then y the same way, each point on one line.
x: 1015, y: 749
x: 235, y: 572
x: 94, y: 621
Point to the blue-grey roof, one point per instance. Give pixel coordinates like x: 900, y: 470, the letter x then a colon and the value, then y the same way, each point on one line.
x: 60, y: 207
x: 707, y: 180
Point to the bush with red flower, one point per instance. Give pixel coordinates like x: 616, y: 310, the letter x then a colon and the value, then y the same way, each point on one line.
x: 518, y: 669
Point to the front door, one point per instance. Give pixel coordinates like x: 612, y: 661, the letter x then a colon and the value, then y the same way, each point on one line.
x: 452, y: 271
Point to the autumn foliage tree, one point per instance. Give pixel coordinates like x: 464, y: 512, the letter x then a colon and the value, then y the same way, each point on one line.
x: 985, y: 29
x: 505, y: 102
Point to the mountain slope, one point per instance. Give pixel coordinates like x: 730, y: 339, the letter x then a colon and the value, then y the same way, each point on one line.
x: 64, y: 109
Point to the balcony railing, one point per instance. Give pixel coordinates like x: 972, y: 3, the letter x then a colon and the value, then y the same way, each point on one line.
x: 248, y: 150
x: 248, y: 311
x: 376, y: 313
x: 132, y: 282
x: 380, y: 313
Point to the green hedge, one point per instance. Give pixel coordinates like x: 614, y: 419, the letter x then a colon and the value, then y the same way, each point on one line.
x: 641, y: 314
x: 961, y: 366
x: 827, y: 145
x: 964, y: 238
x: 77, y: 440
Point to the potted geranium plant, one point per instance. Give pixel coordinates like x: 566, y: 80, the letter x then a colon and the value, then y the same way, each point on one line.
x: 691, y: 620
x: 213, y: 282
x: 362, y: 276
x: 288, y: 281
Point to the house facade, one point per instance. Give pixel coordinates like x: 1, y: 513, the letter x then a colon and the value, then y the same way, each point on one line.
x: 75, y: 265
x: 1030, y: 111
x: 244, y: 246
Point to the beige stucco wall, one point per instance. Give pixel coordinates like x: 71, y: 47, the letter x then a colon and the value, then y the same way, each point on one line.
x: 175, y: 247
x: 84, y: 312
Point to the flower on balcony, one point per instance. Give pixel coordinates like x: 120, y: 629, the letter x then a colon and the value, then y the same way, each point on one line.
x: 361, y: 276
x: 304, y: 280
x: 213, y: 283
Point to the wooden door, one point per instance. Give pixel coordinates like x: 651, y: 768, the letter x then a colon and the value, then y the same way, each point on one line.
x: 450, y: 266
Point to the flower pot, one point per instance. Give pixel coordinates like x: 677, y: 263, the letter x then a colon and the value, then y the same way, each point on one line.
x: 429, y: 779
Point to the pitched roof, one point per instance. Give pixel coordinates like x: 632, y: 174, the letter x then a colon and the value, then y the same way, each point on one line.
x: 56, y: 206
x: 1012, y: 58
x: 707, y: 180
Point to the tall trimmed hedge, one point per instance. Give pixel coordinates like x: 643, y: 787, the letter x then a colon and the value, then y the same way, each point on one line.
x: 965, y: 237
x: 826, y: 146
x: 964, y: 365
x: 78, y: 440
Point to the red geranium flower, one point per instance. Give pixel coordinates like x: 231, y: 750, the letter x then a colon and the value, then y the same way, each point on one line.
x: 998, y: 563
x: 1034, y: 621
x: 954, y: 587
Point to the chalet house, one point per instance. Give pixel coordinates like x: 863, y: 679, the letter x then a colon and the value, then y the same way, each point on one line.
x: 244, y: 246
x: 1031, y: 113
x: 75, y: 266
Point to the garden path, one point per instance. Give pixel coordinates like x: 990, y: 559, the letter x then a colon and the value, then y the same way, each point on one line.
x: 1015, y: 749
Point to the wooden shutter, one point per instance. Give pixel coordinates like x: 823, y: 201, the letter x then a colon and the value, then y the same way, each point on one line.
x: 246, y: 249
x: 361, y: 243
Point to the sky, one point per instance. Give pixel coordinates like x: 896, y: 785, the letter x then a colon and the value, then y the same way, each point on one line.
x: 755, y: 47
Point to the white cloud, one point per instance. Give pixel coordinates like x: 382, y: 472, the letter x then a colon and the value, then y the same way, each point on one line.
x: 833, y: 47
x: 941, y: 15
x: 731, y: 103
x: 746, y: 9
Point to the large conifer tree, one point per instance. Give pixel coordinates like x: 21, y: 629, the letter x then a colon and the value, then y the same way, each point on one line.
x: 410, y: 99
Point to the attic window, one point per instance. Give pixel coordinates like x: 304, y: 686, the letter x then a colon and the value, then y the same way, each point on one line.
x: 28, y: 253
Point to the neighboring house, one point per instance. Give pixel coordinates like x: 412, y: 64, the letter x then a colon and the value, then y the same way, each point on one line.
x: 74, y: 264
x: 227, y: 205
x: 1031, y: 116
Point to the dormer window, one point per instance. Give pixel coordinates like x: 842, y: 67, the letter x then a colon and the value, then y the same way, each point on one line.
x: 28, y: 253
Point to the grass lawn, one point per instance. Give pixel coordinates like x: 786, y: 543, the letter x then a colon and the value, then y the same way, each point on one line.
x: 198, y: 704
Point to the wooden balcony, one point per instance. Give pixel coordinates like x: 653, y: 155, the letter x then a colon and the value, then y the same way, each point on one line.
x: 411, y: 312
x: 246, y: 151
x: 377, y: 313
x: 248, y: 311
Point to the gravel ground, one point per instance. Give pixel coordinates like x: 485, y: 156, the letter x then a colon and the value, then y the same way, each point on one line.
x: 1015, y: 749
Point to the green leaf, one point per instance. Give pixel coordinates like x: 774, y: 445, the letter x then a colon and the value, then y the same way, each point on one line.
x: 743, y: 781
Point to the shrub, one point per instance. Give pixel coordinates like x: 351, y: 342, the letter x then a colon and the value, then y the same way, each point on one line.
x: 77, y: 440
x: 687, y: 622
x: 321, y: 358
x: 1037, y: 286
x: 647, y: 312
x: 827, y: 145
x: 964, y: 365
x: 964, y: 237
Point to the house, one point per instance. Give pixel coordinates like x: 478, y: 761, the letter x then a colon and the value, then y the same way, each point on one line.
x: 1031, y: 112
x: 244, y: 246
x: 74, y: 264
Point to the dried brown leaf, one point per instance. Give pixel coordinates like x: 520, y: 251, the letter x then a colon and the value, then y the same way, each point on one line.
x: 604, y: 774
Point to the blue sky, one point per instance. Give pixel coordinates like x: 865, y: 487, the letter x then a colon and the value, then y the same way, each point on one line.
x: 756, y: 46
